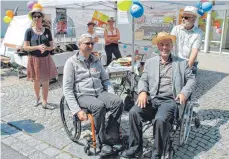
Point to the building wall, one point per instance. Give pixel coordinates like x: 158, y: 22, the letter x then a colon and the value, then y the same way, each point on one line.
x: 11, y: 5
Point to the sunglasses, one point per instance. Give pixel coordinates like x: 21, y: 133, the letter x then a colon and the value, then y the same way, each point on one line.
x: 37, y: 16
x: 186, y: 18
x: 89, y: 44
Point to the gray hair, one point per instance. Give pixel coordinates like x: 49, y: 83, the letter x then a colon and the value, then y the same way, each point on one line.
x: 83, y: 37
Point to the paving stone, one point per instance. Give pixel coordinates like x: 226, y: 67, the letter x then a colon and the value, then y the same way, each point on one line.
x: 32, y: 142
x: 26, y: 150
x: 9, y: 141
x: 51, y: 151
x: 41, y: 146
x: 39, y: 155
x: 63, y: 156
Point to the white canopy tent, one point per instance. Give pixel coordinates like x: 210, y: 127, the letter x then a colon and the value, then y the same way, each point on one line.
x: 82, y: 10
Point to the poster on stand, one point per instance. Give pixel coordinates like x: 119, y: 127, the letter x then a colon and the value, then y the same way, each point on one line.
x: 61, y: 21
x: 152, y: 22
x: 100, y: 19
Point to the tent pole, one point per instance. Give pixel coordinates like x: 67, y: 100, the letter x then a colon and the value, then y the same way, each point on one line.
x: 133, y: 57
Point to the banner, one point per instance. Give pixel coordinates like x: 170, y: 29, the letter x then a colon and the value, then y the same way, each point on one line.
x: 100, y: 19
x: 153, y: 22
x: 61, y: 21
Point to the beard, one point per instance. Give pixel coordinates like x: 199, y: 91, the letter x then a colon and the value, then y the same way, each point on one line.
x: 187, y: 24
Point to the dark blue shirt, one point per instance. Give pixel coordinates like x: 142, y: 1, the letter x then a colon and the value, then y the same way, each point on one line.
x: 35, y: 40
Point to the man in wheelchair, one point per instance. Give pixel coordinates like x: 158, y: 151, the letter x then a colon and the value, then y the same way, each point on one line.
x: 86, y: 85
x: 166, y: 78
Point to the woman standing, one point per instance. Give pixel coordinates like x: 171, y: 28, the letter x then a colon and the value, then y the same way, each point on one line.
x: 40, y: 68
x: 91, y: 31
x: 111, y: 36
x: 94, y: 36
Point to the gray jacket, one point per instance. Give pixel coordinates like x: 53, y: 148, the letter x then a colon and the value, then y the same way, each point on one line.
x: 183, y: 80
x: 82, y: 79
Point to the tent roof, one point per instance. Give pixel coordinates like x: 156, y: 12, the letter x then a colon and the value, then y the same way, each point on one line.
x: 111, y: 5
x: 79, y: 4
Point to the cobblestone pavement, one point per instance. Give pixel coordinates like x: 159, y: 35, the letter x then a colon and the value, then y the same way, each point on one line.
x: 38, y: 133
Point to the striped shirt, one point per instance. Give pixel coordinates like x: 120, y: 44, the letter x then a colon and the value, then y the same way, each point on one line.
x: 186, y: 40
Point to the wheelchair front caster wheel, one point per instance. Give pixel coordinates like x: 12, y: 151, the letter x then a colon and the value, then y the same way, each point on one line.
x: 87, y: 150
x: 197, y: 122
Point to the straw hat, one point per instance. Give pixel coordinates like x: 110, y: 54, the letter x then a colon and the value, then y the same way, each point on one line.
x: 111, y: 19
x: 191, y: 10
x: 39, y: 10
x: 163, y: 35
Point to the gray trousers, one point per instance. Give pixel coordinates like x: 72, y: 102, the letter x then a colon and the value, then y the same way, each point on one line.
x: 98, y: 106
x: 163, y: 112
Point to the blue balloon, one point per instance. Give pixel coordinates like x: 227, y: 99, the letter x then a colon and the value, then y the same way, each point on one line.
x: 206, y: 6
x: 198, y: 5
x: 136, y: 2
x: 124, y: 46
x: 145, y: 48
x: 136, y: 10
x: 200, y: 12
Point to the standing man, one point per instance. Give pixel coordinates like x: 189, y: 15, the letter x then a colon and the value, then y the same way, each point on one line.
x: 189, y: 37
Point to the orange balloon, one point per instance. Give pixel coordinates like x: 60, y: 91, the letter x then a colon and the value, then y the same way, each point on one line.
x: 10, y: 13
x: 37, y: 6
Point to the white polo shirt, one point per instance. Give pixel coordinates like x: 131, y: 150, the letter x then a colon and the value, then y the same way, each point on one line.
x: 186, y: 40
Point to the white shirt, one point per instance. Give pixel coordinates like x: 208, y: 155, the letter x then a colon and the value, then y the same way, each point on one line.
x: 186, y: 40
x: 93, y: 36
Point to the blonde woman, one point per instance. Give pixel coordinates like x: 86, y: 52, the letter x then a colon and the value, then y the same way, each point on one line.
x: 40, y: 68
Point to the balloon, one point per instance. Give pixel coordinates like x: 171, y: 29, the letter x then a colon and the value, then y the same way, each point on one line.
x: 219, y: 30
x: 136, y: 10
x: 214, y: 14
x: 124, y: 46
x: 206, y: 6
x: 145, y: 48
x: 204, y: 16
x: 7, y: 19
x: 30, y: 4
x: 136, y: 2
x: 200, y: 12
x: 167, y: 19
x: 198, y: 5
x: 37, y: 6
x: 10, y: 13
x: 124, y: 5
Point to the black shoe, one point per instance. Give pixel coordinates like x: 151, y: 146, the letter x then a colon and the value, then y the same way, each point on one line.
x: 107, y: 150
x: 130, y: 154
x: 155, y: 155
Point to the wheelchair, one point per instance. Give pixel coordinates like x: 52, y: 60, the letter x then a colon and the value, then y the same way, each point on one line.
x: 180, y: 128
x: 72, y: 126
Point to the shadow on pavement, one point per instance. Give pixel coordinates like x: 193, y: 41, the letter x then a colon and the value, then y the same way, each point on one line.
x: 205, y: 80
x: 208, y: 135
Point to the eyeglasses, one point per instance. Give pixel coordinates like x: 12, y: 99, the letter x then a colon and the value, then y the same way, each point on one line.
x: 89, y: 44
x: 37, y: 16
x: 186, y: 18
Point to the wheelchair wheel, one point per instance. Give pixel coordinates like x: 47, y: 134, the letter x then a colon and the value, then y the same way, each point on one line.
x: 186, y: 124
x: 72, y: 125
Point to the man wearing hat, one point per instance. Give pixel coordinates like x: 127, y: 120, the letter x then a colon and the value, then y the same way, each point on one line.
x: 189, y: 37
x: 167, y: 79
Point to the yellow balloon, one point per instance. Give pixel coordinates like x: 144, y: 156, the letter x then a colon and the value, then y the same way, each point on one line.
x: 167, y: 19
x: 124, y: 5
x: 7, y: 19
